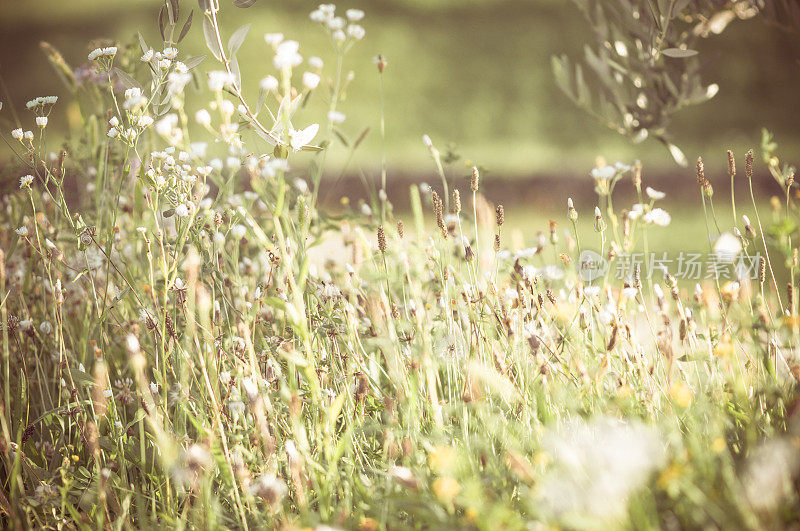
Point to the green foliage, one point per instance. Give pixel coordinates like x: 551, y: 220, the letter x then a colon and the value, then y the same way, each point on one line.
x: 644, y: 66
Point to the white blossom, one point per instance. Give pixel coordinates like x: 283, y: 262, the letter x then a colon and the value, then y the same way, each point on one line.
x: 273, y: 39
x: 287, y: 56
x: 354, y: 15
x: 654, y: 194
x: 203, y: 117
x: 311, y: 80
x: 657, y: 216
x: 269, y: 83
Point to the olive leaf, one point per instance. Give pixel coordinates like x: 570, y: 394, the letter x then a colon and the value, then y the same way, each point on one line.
x: 237, y: 39
x: 211, y: 39
x: 126, y: 79
x: 186, y: 26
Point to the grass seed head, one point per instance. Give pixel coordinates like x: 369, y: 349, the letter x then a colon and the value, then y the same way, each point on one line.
x: 381, y: 239
x: 474, y: 180
x: 731, y: 164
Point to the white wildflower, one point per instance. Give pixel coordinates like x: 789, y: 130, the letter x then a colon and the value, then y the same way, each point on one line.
x: 269, y: 83
x: 603, y: 172
x: 238, y: 231
x: 311, y: 80
x: 727, y: 247
x: 217, y: 79
x: 144, y: 121
x: 287, y: 56
x: 303, y: 137
x: 657, y: 216
x: 273, y: 39
x: 356, y: 32
x: 336, y: 23
x: 597, y: 465
x: 354, y: 15
x: 203, y: 117
x: 654, y: 194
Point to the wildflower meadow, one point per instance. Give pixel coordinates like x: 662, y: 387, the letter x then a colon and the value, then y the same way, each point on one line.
x: 193, y: 337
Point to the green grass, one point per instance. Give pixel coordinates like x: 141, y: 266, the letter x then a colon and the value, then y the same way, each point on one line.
x: 186, y: 345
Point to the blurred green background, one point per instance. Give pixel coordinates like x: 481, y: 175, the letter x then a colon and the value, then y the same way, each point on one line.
x: 472, y: 72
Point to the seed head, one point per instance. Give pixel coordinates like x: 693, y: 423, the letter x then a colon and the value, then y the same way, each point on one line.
x: 473, y: 182
x: 400, y: 229
x: 456, y: 202
x: 748, y: 164
x: 469, y: 254
x: 381, y: 239
x: 438, y: 208
x: 762, y: 270
x: 701, y: 172
x: 501, y: 217
x: 497, y: 243
x: 731, y: 164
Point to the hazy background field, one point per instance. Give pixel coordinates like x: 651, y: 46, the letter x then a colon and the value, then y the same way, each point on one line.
x: 472, y: 72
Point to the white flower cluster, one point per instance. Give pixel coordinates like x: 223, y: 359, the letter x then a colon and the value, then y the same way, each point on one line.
x: 340, y: 28
x: 287, y: 55
x: 650, y: 216
x: 18, y: 134
x: 219, y: 79
x: 25, y: 181
x: 42, y: 102
x: 134, y: 104
x: 97, y: 53
x: 609, y: 171
x: 164, y: 60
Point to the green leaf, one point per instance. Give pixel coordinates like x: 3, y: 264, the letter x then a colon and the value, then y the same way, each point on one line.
x: 244, y: 4
x: 211, y: 39
x: 126, y: 80
x: 186, y: 26
x: 162, y: 22
x: 194, y: 61
x: 679, y: 53
x: 142, y: 43
x: 234, y: 64
x: 237, y: 39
